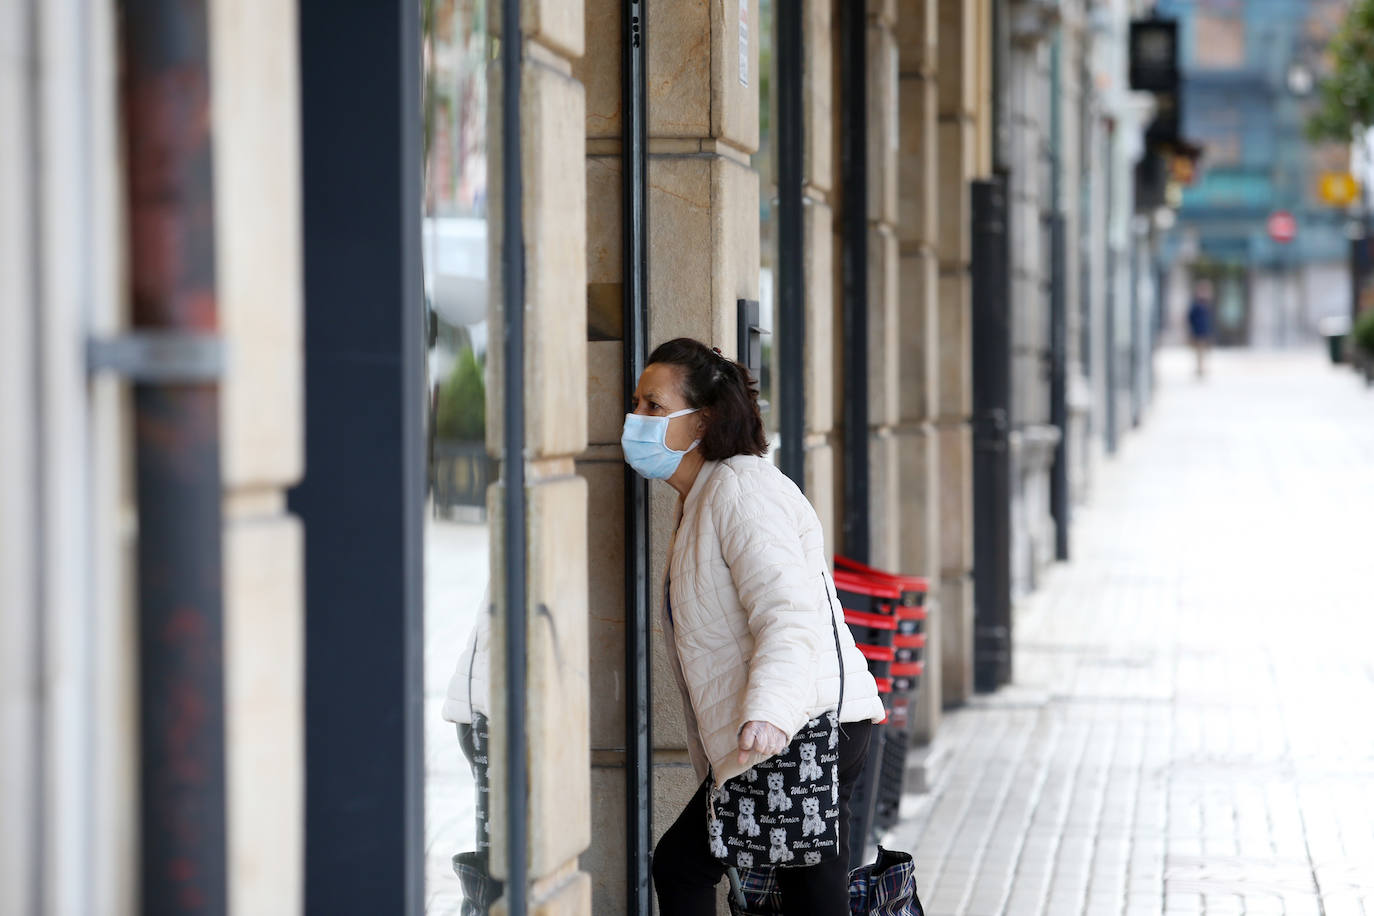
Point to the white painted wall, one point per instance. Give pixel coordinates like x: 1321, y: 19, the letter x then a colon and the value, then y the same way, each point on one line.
x: 19, y: 695
x: 66, y: 775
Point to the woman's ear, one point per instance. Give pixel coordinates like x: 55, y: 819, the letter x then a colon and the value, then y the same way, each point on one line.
x: 703, y: 421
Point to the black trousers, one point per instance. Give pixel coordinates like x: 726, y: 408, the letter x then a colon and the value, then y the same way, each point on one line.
x: 686, y: 874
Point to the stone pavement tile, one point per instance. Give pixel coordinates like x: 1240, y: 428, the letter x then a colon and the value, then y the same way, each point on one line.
x: 1187, y: 730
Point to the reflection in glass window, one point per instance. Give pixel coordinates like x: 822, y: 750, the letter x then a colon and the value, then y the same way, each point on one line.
x: 454, y: 246
x: 765, y: 162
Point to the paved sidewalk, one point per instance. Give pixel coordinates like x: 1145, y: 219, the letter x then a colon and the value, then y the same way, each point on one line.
x: 1191, y: 727
x: 455, y: 579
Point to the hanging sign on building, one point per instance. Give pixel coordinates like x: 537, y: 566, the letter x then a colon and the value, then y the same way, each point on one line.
x: 1283, y: 228
x: 1339, y: 189
x: 1154, y: 55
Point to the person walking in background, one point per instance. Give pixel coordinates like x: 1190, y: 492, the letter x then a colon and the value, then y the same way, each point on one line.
x: 756, y: 635
x: 1200, y: 324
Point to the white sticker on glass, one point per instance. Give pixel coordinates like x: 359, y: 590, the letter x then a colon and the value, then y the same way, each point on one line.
x: 744, y: 42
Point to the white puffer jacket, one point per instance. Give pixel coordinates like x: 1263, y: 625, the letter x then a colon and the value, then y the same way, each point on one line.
x: 751, y: 607
x: 469, y: 686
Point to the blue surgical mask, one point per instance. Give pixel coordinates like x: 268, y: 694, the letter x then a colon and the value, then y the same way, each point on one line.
x: 644, y: 441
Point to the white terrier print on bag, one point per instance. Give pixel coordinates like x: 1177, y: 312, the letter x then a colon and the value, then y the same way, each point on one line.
x: 777, y: 798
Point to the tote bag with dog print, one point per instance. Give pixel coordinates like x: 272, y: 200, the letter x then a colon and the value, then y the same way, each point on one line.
x: 785, y: 811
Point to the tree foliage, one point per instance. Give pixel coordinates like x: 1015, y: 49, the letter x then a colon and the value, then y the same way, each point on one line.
x: 1363, y: 332
x: 1346, y: 100
x: 462, y: 411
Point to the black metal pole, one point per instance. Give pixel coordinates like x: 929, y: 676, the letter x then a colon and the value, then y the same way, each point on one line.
x: 635, y: 350
x: 1059, y: 387
x: 361, y: 500
x: 364, y: 830
x: 991, y: 427
x: 166, y: 103
x: 413, y: 448
x: 1361, y: 266
x: 1059, y: 314
x: 791, y: 313
x: 854, y: 331
x: 1137, y: 342
x: 854, y: 270
x: 513, y: 352
x: 1109, y: 351
x: 1362, y: 248
x: 1161, y: 274
x: 1088, y: 191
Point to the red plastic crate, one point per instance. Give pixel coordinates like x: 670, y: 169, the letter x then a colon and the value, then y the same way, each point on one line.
x: 905, y: 675
x: 910, y: 647
x: 912, y: 589
x: 874, y: 629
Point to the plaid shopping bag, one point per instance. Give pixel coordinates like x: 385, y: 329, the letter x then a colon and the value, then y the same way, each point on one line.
x: 754, y: 892
x: 887, y: 887
x: 480, y: 889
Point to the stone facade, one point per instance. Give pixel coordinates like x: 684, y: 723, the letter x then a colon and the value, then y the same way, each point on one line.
x: 961, y: 95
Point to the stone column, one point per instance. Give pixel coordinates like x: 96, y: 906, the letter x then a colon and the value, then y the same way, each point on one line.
x: 886, y: 498
x: 703, y: 256
x: 1033, y: 439
x: 258, y: 264
x: 1074, y: 165
x: 552, y: 124
x: 818, y: 241
x: 957, y: 70
x: 1097, y: 243
x: 918, y: 406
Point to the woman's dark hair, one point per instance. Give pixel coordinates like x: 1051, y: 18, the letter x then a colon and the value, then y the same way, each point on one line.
x: 717, y: 383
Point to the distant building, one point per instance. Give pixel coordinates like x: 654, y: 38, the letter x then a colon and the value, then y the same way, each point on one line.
x: 1250, y: 72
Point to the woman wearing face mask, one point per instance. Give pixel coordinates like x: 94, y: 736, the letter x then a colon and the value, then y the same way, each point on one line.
x: 749, y: 614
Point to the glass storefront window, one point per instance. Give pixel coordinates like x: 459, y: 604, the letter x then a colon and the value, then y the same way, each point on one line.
x: 454, y: 243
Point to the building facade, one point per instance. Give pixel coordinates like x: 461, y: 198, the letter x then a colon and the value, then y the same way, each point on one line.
x: 432, y: 281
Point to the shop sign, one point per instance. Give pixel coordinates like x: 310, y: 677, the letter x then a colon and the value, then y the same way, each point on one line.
x: 1339, y: 189
x: 1283, y: 228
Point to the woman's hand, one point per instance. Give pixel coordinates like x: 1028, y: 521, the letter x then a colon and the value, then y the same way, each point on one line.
x: 760, y: 738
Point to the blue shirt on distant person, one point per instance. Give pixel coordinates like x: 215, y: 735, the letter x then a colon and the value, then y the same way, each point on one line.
x: 1200, y: 319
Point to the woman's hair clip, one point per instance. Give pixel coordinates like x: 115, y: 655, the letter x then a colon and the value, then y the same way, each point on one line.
x: 716, y: 350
